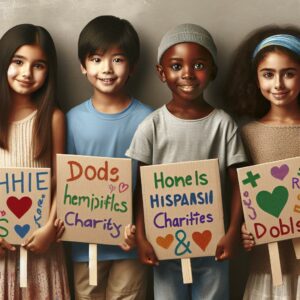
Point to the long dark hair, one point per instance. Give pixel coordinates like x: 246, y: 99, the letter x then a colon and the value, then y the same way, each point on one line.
x: 243, y: 96
x: 44, y: 98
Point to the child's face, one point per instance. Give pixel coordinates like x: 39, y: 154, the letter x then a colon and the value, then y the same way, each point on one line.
x: 27, y: 71
x: 279, y: 79
x: 187, y: 68
x: 107, y: 72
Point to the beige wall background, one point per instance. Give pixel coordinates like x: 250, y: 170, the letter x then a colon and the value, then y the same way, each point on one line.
x: 228, y: 21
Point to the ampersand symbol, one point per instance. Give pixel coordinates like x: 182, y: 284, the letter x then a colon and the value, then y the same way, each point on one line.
x: 181, y: 243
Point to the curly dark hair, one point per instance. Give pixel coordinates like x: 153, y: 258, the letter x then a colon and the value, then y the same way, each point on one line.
x: 243, y: 97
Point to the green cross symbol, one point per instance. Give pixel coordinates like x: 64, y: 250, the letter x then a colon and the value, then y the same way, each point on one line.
x: 251, y: 179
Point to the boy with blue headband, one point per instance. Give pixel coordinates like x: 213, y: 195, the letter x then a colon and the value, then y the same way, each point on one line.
x: 188, y: 128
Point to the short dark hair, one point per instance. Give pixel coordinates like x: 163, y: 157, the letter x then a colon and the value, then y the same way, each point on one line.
x: 105, y: 32
x: 243, y: 96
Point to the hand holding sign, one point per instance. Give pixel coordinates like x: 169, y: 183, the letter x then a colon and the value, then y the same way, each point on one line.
x: 40, y: 239
x: 147, y: 254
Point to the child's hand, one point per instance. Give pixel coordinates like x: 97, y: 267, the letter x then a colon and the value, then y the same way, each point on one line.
x: 129, y: 238
x: 41, y: 239
x: 60, y: 228
x: 146, y: 253
x: 227, y: 245
x: 4, y: 246
x: 247, y: 239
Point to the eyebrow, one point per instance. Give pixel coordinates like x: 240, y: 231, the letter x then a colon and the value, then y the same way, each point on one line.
x: 285, y: 69
x: 23, y: 57
x: 103, y: 53
x: 181, y: 59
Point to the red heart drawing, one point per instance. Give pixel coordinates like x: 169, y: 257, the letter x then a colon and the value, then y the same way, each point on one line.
x: 166, y: 241
x: 123, y: 187
x: 202, y: 239
x: 18, y: 206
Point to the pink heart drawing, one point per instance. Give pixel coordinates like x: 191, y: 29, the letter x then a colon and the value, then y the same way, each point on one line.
x: 280, y: 172
x: 123, y: 187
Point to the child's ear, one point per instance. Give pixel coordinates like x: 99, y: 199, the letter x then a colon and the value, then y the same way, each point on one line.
x: 160, y: 72
x: 83, y: 70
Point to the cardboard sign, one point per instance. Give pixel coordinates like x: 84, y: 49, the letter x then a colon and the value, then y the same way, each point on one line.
x: 183, y: 208
x: 94, y: 198
x: 24, y: 202
x: 270, y: 194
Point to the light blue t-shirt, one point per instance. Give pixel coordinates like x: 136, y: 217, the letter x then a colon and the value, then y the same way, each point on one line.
x: 93, y: 133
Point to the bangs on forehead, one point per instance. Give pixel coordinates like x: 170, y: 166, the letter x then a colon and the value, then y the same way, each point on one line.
x: 102, y: 50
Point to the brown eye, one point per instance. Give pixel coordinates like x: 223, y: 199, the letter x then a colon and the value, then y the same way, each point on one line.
x: 176, y: 67
x: 199, y: 66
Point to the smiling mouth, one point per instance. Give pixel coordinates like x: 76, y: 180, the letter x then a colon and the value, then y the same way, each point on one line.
x: 107, y: 80
x: 22, y: 82
x: 187, y: 88
x: 280, y: 95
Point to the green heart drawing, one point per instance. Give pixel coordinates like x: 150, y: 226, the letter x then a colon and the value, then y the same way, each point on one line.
x: 273, y: 203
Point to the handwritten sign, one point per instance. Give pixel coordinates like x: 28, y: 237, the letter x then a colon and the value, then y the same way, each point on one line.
x: 270, y: 194
x: 94, y: 198
x: 25, y: 202
x: 183, y: 208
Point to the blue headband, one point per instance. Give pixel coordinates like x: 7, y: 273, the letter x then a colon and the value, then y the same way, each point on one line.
x: 284, y: 40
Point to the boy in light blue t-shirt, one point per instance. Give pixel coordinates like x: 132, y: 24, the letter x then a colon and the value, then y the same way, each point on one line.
x: 104, y: 125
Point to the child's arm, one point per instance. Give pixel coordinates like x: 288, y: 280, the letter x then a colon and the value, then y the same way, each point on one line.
x: 227, y: 244
x: 145, y: 249
x: 41, y: 239
x: 247, y: 238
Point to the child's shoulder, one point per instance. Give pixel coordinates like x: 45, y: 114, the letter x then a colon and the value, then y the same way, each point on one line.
x: 141, y: 108
x: 82, y: 107
x: 154, y: 117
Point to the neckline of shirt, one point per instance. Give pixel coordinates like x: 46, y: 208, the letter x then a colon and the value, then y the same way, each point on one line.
x: 114, y: 116
x: 277, y: 125
x: 30, y: 116
x: 189, y: 120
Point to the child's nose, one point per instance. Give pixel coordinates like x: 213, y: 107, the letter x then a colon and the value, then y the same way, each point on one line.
x: 188, y: 72
x: 278, y: 82
x: 106, y: 66
x: 26, y: 71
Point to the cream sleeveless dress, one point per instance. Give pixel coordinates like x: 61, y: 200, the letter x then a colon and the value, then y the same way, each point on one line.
x: 47, y: 274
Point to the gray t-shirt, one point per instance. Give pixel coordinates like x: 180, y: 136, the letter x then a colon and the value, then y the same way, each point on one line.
x: 164, y: 138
